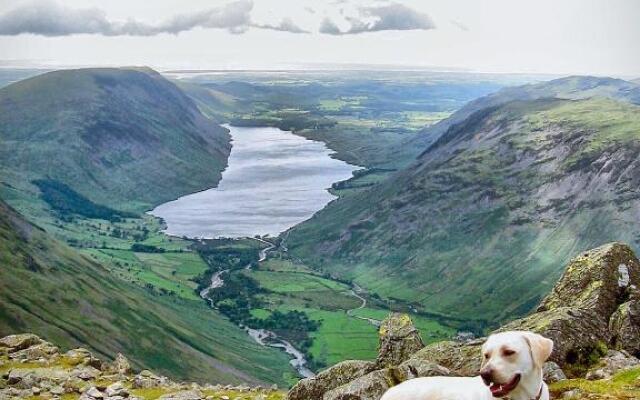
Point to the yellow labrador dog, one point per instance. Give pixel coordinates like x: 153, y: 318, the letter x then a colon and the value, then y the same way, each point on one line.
x: 511, y: 369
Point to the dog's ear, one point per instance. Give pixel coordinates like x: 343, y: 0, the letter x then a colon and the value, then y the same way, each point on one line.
x: 540, y: 346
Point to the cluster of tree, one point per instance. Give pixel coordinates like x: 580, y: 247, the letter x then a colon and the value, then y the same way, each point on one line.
x: 286, y: 121
x: 240, y: 294
x: 146, y: 248
x: 67, y: 201
x: 292, y: 325
x: 219, y: 258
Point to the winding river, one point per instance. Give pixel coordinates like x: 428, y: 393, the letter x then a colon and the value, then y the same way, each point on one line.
x: 274, y: 181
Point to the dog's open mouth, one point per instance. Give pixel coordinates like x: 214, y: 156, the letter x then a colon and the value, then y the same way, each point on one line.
x: 503, y: 389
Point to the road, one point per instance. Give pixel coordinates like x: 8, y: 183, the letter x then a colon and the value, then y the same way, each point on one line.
x: 354, y: 291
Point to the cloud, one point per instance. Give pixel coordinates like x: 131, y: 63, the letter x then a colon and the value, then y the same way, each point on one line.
x: 387, y: 17
x: 329, y: 27
x: 49, y: 18
x: 286, y: 25
x: 52, y: 19
x: 460, y: 25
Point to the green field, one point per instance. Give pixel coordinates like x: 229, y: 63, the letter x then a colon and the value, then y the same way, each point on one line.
x: 293, y: 286
x: 79, y: 302
x: 170, y: 272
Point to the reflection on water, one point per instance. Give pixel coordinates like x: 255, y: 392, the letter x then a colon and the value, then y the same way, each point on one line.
x: 274, y: 180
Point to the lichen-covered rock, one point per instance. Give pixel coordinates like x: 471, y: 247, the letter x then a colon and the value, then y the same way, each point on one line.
x: 625, y: 327
x: 85, y: 373
x: 24, y: 378
x: 577, y: 312
x: 82, y: 356
x: 35, y: 352
x: 120, y: 365
x: 331, y: 378
x: 613, y: 362
x: 147, y: 379
x: 417, y: 368
x: 596, y: 280
x: 368, y: 387
x: 93, y: 393
x: 593, y: 307
x: 552, y: 372
x: 399, y: 340
x: 460, y: 358
x: 19, y: 341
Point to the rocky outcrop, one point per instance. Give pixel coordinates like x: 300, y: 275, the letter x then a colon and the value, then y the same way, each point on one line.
x: 593, y: 307
x: 368, y: 380
x: 612, y: 362
x: 592, y: 313
x: 33, y: 368
x: 399, y: 340
x: 332, y: 378
x: 13, y: 343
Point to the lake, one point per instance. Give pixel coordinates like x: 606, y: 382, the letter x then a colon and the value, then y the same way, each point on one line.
x: 274, y: 181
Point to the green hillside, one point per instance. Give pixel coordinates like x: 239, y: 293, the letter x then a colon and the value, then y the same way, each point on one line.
x: 482, y: 223
x: 124, y: 138
x: 52, y: 290
x: 569, y: 88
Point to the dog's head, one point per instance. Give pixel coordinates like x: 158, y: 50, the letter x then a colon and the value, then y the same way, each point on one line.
x: 509, y: 357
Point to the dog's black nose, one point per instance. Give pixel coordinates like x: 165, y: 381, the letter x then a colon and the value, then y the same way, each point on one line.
x: 487, y: 375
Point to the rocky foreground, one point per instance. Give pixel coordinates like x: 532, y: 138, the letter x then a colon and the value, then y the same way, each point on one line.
x: 592, y: 314
x: 32, y: 368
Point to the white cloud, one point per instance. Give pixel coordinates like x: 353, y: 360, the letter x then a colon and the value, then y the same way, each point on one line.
x: 49, y: 18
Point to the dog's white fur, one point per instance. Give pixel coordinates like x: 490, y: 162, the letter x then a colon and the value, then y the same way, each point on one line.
x: 504, y: 355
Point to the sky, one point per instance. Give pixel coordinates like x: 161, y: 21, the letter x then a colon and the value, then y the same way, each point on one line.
x: 598, y: 37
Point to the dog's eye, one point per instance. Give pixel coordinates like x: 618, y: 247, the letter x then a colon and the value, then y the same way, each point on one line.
x: 486, y: 356
x: 508, y: 352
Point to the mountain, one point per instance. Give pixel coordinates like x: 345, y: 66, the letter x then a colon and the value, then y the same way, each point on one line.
x: 493, y: 208
x: 121, y: 137
x: 48, y: 288
x: 570, y: 88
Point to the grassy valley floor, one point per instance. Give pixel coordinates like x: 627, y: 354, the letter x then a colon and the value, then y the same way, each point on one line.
x: 136, y: 251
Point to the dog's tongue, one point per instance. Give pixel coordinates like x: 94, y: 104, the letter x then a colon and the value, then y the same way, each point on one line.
x: 496, y: 390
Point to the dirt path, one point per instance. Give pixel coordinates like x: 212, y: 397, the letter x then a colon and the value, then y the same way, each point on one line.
x: 355, y: 292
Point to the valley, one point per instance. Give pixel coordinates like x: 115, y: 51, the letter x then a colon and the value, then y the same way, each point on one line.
x: 319, y: 200
x: 318, y: 204
x: 308, y: 308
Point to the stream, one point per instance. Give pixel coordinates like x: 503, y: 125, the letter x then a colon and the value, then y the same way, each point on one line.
x: 262, y: 336
x: 269, y: 338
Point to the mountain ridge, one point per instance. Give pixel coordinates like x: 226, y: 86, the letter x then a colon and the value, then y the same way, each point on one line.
x: 570, y: 88
x: 519, y: 185
x: 126, y: 133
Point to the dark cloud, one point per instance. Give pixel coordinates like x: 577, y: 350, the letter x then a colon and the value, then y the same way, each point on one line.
x: 286, y: 25
x: 329, y: 27
x: 387, y: 17
x: 52, y: 19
